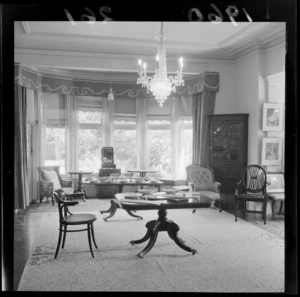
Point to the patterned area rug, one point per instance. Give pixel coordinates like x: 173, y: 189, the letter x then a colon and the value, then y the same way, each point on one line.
x: 92, y: 204
x: 273, y: 226
x: 232, y: 256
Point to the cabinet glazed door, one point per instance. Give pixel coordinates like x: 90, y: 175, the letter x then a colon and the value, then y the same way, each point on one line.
x: 228, y: 148
x: 226, y: 142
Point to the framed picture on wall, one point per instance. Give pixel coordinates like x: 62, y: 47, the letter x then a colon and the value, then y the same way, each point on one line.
x: 271, y: 151
x: 272, y: 117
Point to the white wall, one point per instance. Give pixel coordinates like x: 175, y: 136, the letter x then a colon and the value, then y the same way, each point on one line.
x: 259, y: 78
x: 226, y: 98
x: 275, y: 77
x: 250, y: 81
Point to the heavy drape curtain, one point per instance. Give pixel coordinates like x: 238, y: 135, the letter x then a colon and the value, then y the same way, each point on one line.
x: 21, y: 189
x: 203, y: 105
x: 181, y: 108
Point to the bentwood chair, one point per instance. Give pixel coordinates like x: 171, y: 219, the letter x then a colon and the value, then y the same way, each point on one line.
x: 66, y: 218
x: 252, y: 188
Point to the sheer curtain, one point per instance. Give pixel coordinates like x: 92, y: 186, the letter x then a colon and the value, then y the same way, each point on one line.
x: 141, y: 120
x: 41, y: 127
x: 108, y: 121
x: 175, y: 137
x: 21, y: 189
x: 71, y: 116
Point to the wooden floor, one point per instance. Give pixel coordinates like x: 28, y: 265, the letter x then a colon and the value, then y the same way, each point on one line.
x: 26, y: 224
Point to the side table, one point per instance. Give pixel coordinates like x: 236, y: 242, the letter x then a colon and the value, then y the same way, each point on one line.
x: 79, y: 189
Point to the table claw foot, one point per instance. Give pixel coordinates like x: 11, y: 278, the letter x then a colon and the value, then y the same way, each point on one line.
x: 180, y: 242
x: 108, y: 210
x: 193, y: 251
x: 112, y: 210
x: 141, y: 255
x: 149, y: 246
x: 133, y: 215
x: 146, y: 237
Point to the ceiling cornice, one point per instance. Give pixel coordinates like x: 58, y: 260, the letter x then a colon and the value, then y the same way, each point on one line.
x: 99, y: 76
x: 232, y: 38
x: 254, y: 45
x: 274, y: 38
x: 131, y: 57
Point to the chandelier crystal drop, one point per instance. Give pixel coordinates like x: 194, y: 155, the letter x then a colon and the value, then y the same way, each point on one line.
x: 160, y: 84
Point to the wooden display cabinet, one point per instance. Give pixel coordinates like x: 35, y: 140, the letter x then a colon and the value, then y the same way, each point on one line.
x: 228, y: 144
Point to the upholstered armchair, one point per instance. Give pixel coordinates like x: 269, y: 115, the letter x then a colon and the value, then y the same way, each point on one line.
x: 50, y: 180
x: 201, y: 179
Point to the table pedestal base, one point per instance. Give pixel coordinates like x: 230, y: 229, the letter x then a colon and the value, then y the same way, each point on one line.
x: 161, y: 224
x: 83, y: 194
x: 113, y: 209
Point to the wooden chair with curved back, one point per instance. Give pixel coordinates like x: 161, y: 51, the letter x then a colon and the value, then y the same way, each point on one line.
x: 66, y: 218
x: 252, y: 188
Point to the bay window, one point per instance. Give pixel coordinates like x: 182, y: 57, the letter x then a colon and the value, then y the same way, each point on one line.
x: 143, y: 135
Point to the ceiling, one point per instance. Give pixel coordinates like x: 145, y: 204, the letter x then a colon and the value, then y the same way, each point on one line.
x: 133, y: 40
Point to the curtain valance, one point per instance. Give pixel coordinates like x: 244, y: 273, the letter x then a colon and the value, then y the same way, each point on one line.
x: 207, y: 81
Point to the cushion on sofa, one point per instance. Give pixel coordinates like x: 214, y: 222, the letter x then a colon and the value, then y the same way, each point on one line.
x: 68, y: 191
x: 51, y: 176
x: 210, y: 194
x: 202, y: 178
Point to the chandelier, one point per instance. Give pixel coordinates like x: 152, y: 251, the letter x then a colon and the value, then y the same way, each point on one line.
x: 160, y: 84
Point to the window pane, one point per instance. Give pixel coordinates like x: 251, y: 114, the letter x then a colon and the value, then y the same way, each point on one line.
x: 125, y: 146
x: 55, y: 148
x: 90, y: 116
x: 90, y: 142
x: 90, y: 139
x: 159, y: 146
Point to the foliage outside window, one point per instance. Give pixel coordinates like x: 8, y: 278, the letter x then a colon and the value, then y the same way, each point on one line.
x: 90, y: 139
x: 125, y: 145
x: 159, y: 146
